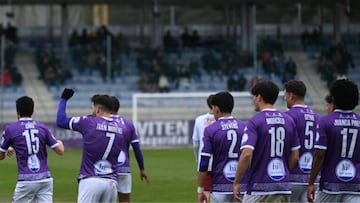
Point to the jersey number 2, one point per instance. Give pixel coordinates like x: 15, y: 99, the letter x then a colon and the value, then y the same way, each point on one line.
x: 232, y: 135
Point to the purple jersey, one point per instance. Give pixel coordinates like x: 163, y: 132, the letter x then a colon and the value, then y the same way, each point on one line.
x: 306, y: 121
x: 29, y: 138
x: 222, y: 140
x: 102, y: 143
x: 338, y: 135
x: 271, y: 135
x: 130, y: 137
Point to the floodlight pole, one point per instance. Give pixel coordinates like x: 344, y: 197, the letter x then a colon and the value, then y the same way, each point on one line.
x: 2, y: 83
x: 254, y: 45
x: 108, y: 61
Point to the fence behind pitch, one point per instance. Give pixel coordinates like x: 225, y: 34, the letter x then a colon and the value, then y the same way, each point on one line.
x: 167, y: 119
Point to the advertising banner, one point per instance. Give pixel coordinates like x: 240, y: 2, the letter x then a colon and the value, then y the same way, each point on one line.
x: 152, y: 134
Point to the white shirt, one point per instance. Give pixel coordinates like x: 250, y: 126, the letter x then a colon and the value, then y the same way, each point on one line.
x: 201, y: 122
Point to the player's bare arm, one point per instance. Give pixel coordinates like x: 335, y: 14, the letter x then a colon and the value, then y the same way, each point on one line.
x: 319, y: 156
x: 59, y: 149
x: 294, y: 158
x: 10, y: 152
x: 243, y: 164
x: 143, y: 175
x: 2, y: 155
x: 201, y: 182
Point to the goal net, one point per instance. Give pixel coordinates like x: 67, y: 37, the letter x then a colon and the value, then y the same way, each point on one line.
x: 167, y: 119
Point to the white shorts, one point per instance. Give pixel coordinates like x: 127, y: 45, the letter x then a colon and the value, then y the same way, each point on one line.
x: 266, y: 198
x: 37, y: 191
x: 299, y: 192
x: 124, y: 183
x: 221, y: 198
x: 96, y: 189
x: 324, y: 197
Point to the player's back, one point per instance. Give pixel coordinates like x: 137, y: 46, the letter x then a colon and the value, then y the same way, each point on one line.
x: 102, y: 141
x: 29, y: 139
x: 339, y: 136
x: 306, y: 121
x: 222, y: 139
x: 129, y: 136
x: 272, y: 137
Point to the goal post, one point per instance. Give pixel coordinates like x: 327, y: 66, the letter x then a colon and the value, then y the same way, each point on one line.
x: 167, y: 119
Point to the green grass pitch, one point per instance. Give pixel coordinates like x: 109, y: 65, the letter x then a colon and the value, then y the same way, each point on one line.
x: 172, y: 174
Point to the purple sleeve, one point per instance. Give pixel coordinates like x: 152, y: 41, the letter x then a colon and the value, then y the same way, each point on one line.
x: 6, y: 142
x: 204, y: 163
x: 321, y: 138
x: 295, y: 142
x: 138, y: 155
x: 135, y: 143
x: 62, y: 120
x: 50, y: 139
x: 206, y: 151
x: 250, y: 136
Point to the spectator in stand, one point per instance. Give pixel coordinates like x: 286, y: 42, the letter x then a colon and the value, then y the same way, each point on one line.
x: 232, y: 83
x: 305, y: 38
x: 290, y: 70
x: 84, y: 38
x: 101, y: 65
x: 347, y: 62
x: 5, y: 78
x: 15, y: 75
x: 164, y: 85
x: 169, y: 41
x: 50, y: 77
x: 9, y: 53
x: 116, y: 69
x: 210, y: 62
x: 123, y: 44
x: 63, y: 74
x: 255, y: 79
x: 194, y: 68
x: 74, y: 38
x: 11, y: 33
x: 143, y: 82
x: 241, y: 82
x: 327, y: 70
x: 186, y: 38
x: 195, y: 39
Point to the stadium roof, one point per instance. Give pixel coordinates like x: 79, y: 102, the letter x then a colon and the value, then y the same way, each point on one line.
x: 178, y: 2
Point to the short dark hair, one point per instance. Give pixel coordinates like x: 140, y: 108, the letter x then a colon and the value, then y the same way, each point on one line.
x: 268, y: 90
x: 116, y: 104
x: 224, y: 100
x: 345, y: 94
x: 25, y: 106
x: 208, y: 100
x: 104, y: 100
x: 329, y: 99
x: 296, y: 87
